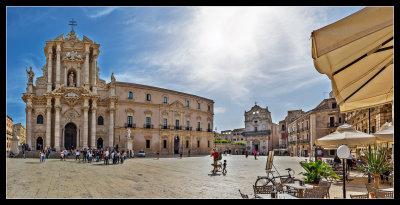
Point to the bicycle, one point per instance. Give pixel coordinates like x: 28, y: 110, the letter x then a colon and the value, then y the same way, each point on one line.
x: 266, y: 180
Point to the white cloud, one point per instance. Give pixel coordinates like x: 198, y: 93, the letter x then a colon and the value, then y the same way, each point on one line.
x: 102, y: 12
x: 235, y: 50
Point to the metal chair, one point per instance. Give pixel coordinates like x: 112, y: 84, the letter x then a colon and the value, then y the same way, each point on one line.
x: 325, y: 184
x: 323, y: 189
x: 359, y: 196
x: 313, y: 194
x: 244, y: 196
x: 263, y: 189
x: 383, y: 194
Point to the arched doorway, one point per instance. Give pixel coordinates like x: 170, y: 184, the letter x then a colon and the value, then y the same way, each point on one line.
x: 176, y: 145
x: 70, y: 136
x: 39, y: 143
x: 99, y: 143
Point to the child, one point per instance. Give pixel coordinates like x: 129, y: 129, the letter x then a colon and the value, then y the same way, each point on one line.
x: 224, y: 167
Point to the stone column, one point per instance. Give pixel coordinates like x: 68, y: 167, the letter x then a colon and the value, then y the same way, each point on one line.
x: 28, y: 111
x: 93, y: 127
x: 87, y: 66
x: 49, y: 69
x: 94, y: 74
x: 65, y: 76
x: 111, y: 126
x: 78, y: 78
x: 57, y: 123
x: 48, y: 122
x: 85, y: 122
x: 58, y: 66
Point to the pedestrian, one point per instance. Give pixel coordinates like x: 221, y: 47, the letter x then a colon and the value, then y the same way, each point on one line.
x: 189, y: 153
x: 40, y: 156
x: 107, y: 154
x: 112, y: 157
x: 255, y: 154
x: 43, y: 156
x: 65, y: 153
x: 122, y: 159
x: 247, y: 154
x: 62, y: 156
x: 130, y: 154
x: 77, y: 155
x: 133, y: 153
x: 84, y: 155
x: 23, y: 153
x: 118, y: 157
x: 224, y: 167
x: 115, y: 156
x: 87, y: 154
x: 90, y: 156
x: 180, y: 154
x: 158, y: 155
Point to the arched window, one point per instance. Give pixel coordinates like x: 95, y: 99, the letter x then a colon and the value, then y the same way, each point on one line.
x: 100, y: 121
x: 39, y: 119
x: 148, y: 97
x: 130, y: 95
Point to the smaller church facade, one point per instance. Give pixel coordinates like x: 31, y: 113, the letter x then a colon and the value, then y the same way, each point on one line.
x: 260, y: 133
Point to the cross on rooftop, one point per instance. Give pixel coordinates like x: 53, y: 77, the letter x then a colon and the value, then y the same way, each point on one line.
x: 72, y: 23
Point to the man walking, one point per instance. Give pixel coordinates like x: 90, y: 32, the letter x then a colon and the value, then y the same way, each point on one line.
x: 84, y: 155
x: 255, y: 154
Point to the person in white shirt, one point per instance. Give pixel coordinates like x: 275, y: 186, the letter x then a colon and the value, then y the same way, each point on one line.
x: 106, y: 155
x: 112, y: 157
x: 77, y: 155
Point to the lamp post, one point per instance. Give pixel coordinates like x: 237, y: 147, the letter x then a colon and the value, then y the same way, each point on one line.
x: 343, y: 152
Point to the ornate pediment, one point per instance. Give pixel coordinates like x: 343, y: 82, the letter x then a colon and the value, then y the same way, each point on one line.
x: 177, y: 104
x: 86, y: 39
x: 129, y: 110
x: 71, y: 114
x: 164, y: 113
x: 72, y: 56
x: 148, y: 112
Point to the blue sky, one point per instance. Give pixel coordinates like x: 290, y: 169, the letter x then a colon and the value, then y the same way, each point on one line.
x: 232, y: 55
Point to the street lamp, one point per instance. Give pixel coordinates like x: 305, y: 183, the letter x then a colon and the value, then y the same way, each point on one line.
x: 343, y: 152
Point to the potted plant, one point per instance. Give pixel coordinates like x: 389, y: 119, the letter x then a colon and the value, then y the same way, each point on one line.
x: 315, y: 171
x: 376, y: 163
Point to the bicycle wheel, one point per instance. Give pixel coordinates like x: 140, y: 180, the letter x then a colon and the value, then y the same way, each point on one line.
x: 264, y: 181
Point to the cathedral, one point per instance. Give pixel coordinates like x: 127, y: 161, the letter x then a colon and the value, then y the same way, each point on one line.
x: 70, y: 107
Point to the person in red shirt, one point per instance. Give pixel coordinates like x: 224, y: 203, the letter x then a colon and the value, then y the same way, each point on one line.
x: 216, y: 156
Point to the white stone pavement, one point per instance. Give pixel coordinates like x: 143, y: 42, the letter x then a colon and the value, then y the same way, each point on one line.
x: 146, y: 178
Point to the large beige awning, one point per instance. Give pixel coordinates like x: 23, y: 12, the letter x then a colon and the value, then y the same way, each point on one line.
x: 356, y: 53
x: 346, y: 135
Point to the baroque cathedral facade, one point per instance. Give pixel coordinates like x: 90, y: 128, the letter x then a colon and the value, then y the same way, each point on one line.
x: 70, y: 107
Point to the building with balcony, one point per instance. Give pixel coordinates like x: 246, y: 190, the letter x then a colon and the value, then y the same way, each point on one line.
x: 70, y: 107
x: 9, y: 132
x: 370, y: 120
x: 312, y: 125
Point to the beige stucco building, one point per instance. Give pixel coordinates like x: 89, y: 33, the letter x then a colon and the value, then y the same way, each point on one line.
x: 9, y: 132
x: 314, y: 124
x: 20, y: 131
x: 72, y: 107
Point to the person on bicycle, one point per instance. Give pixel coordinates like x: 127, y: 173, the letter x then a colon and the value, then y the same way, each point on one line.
x: 216, y: 157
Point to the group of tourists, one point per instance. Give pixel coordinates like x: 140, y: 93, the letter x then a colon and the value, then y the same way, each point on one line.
x: 88, y: 155
x: 43, y: 154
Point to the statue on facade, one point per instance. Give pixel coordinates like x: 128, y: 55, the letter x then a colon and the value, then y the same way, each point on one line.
x: 71, y: 80
x: 129, y: 133
x: 112, y: 78
x: 30, y: 74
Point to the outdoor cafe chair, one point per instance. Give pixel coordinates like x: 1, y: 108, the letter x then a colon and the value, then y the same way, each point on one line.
x: 323, y: 189
x: 325, y: 184
x: 359, y: 196
x: 289, y: 190
x: 313, y: 194
x: 279, y: 188
x: 263, y: 189
x: 383, y: 194
x: 244, y: 196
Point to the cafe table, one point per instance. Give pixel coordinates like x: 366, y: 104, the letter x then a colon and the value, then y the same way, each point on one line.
x: 299, y: 187
x: 279, y: 196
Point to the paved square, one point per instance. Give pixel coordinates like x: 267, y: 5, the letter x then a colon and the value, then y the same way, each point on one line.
x: 144, y: 178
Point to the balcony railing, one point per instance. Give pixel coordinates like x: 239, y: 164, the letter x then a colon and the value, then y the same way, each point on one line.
x: 328, y: 125
x: 255, y: 133
x: 178, y: 127
x: 148, y: 126
x: 130, y: 125
x: 209, y: 130
x: 198, y: 129
x: 165, y: 127
x: 188, y: 128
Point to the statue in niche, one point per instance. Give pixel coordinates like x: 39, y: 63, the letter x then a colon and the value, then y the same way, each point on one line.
x: 30, y: 74
x: 71, y: 80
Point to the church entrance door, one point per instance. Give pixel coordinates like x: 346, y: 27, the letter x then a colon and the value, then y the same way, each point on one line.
x: 100, y: 143
x: 176, y: 145
x: 70, y: 136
